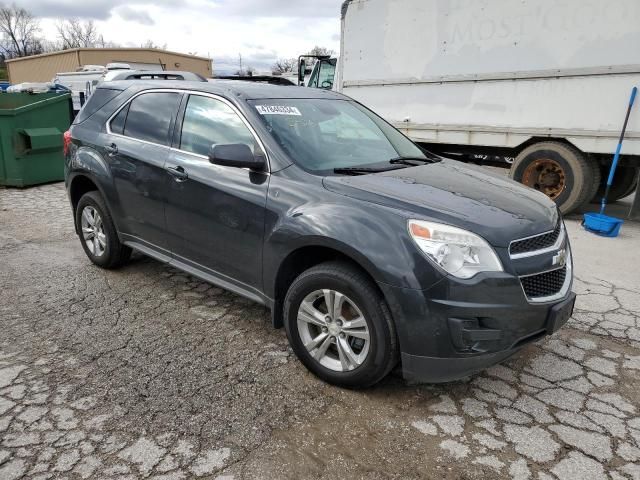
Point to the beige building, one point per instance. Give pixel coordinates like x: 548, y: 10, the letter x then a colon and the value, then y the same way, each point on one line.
x: 42, y: 68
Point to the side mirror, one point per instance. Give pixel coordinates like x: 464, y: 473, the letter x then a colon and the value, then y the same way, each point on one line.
x: 235, y: 155
x: 301, y: 71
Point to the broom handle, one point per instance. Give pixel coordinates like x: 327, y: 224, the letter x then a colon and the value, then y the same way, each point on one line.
x: 614, y: 165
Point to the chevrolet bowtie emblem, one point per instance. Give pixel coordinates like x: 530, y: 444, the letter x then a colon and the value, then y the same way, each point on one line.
x: 560, y: 258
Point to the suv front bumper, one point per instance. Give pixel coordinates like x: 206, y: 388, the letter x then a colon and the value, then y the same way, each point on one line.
x: 457, y: 327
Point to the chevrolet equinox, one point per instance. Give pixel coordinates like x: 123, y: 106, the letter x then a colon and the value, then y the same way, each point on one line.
x: 370, y: 251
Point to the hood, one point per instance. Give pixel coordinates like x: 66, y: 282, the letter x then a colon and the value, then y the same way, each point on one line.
x: 466, y: 196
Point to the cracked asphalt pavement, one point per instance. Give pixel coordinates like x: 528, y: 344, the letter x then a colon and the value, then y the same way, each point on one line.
x: 145, y: 372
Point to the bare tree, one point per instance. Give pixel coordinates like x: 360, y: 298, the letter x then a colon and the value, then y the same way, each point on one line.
x: 110, y: 44
x: 74, y: 33
x: 20, y: 32
x: 284, y: 65
x: 151, y: 44
x: 321, y: 51
x: 317, y: 51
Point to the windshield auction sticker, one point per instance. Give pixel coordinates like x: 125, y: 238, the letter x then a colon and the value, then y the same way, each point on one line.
x: 277, y: 110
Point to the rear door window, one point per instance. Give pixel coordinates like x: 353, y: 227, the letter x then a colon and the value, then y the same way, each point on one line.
x: 151, y: 116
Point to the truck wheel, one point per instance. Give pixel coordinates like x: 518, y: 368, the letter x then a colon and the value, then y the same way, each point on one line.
x: 558, y: 170
x: 624, y: 183
x: 339, y: 326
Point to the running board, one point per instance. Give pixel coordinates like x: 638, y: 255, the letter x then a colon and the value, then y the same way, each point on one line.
x: 198, y: 273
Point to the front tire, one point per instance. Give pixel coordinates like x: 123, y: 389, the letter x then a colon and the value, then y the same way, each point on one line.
x: 98, y: 234
x: 339, y: 326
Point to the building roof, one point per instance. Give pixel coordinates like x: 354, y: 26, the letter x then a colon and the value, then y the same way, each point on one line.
x: 60, y: 52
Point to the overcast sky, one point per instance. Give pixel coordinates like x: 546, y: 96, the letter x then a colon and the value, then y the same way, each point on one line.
x: 261, y: 30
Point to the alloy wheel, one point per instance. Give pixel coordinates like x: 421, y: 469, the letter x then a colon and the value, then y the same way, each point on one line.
x: 333, y: 330
x: 93, y: 231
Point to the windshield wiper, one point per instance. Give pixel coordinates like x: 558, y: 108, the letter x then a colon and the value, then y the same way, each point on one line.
x: 361, y: 170
x: 410, y: 160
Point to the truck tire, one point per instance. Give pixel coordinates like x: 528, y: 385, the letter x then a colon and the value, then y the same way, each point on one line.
x: 624, y: 183
x: 560, y: 171
x: 597, y: 177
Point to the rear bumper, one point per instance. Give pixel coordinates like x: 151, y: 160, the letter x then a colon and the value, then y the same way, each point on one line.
x: 457, y: 328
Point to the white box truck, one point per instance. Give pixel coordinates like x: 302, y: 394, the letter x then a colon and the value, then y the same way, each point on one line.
x: 541, y: 83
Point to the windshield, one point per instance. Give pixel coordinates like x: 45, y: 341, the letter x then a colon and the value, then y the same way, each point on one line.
x: 321, y: 135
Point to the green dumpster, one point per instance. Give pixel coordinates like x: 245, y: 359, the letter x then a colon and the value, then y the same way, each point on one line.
x: 31, y: 129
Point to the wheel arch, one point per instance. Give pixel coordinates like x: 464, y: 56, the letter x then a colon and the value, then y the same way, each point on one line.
x: 533, y: 140
x: 81, y: 183
x: 304, y: 257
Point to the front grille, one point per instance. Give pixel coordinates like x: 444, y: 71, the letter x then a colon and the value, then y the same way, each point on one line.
x: 531, y: 244
x: 544, y: 284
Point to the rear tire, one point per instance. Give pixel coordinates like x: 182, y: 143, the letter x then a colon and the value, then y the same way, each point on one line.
x: 624, y: 183
x: 98, y: 234
x: 559, y: 170
x: 377, y: 357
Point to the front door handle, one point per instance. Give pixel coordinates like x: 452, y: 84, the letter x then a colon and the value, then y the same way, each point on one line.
x: 111, y: 148
x: 178, y: 173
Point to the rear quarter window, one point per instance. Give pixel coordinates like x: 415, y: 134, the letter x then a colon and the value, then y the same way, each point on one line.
x: 99, y: 98
x: 117, y: 124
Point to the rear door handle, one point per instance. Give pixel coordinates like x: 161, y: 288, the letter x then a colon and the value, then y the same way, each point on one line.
x: 111, y: 148
x: 178, y: 173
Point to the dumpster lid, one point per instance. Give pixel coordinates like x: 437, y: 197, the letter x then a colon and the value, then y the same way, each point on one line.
x: 15, y: 103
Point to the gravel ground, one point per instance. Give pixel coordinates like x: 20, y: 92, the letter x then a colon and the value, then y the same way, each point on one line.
x: 145, y: 372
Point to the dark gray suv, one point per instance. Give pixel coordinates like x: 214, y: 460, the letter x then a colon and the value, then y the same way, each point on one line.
x: 368, y: 250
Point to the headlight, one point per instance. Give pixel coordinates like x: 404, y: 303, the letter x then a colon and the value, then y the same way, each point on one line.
x: 458, y: 252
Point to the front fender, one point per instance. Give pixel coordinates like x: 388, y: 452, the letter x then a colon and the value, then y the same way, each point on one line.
x: 372, y: 235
